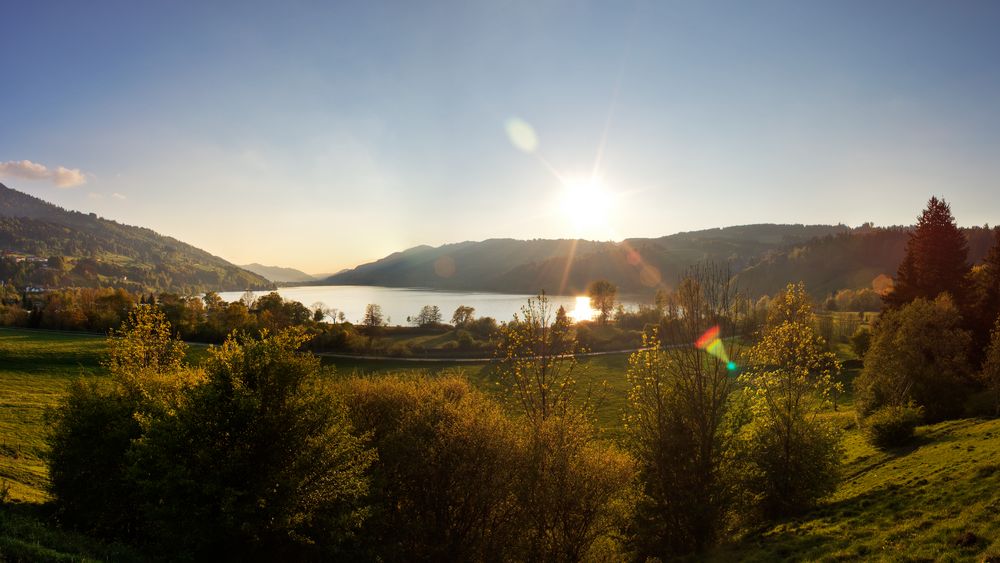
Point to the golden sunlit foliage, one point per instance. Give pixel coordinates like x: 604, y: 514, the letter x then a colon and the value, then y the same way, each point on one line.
x: 793, y: 454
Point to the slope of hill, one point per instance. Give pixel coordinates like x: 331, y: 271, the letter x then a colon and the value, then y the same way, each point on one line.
x: 848, y: 260
x: 763, y: 259
x: 567, y: 266
x: 278, y: 273
x: 49, y: 246
x: 938, y: 500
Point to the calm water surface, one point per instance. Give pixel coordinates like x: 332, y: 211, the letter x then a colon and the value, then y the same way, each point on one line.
x: 399, y: 303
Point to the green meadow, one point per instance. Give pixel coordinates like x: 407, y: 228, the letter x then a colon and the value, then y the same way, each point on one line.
x: 938, y: 499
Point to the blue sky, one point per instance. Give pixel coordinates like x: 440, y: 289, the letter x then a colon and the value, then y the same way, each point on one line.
x: 322, y: 135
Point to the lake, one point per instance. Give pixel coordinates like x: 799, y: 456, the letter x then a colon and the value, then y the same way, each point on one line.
x: 398, y: 303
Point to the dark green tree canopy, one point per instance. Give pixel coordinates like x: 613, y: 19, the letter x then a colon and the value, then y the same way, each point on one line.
x: 936, y: 258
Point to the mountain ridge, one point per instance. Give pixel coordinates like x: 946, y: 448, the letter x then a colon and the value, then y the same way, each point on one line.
x: 568, y: 265
x: 88, y: 251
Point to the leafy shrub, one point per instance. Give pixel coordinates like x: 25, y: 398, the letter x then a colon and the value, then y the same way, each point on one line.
x: 892, y: 425
x: 256, y: 461
x: 89, y: 439
x: 861, y: 341
x: 919, y: 353
x: 259, y: 462
x: 465, y: 340
x: 788, y: 473
x: 445, y: 479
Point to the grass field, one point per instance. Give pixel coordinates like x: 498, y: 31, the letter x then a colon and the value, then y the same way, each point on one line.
x: 937, y: 500
x: 35, y: 369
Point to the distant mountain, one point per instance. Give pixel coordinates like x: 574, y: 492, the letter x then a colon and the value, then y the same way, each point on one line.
x: 87, y: 250
x: 568, y: 266
x: 461, y: 266
x: 324, y: 275
x: 278, y: 273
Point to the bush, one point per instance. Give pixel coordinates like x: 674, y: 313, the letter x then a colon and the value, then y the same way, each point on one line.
x: 259, y: 462
x: 861, y: 341
x: 445, y: 479
x: 458, y: 480
x: 789, y: 473
x: 465, y: 340
x: 892, y: 426
x: 89, y: 439
x: 918, y: 354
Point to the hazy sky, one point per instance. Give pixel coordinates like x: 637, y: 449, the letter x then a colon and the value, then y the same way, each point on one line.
x: 321, y: 135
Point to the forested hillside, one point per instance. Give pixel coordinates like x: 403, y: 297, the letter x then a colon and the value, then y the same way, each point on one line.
x: 567, y: 266
x: 828, y: 258
x: 48, y: 246
x: 850, y: 260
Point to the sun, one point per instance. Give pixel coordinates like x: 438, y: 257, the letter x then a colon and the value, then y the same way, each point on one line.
x: 585, y: 203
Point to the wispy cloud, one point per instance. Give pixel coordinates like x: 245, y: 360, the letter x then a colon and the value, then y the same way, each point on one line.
x: 117, y: 195
x: 61, y: 176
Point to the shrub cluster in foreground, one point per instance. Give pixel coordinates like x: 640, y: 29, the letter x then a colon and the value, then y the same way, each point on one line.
x: 258, y: 455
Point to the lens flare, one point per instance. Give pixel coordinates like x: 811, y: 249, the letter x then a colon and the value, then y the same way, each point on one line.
x: 521, y: 134
x: 711, y: 343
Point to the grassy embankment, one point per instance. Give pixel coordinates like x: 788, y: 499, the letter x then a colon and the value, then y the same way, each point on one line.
x: 936, y: 500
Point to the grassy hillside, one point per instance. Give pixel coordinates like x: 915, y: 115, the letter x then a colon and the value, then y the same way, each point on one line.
x: 936, y: 500
x: 98, y: 252
x: 35, y: 369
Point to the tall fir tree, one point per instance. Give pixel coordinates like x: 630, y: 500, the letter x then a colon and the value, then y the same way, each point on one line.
x: 936, y: 258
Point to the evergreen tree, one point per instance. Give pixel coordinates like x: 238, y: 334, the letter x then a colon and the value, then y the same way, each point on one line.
x: 936, y: 258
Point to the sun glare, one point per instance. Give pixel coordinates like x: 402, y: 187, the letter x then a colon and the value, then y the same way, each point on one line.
x: 585, y: 204
x: 582, y: 312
